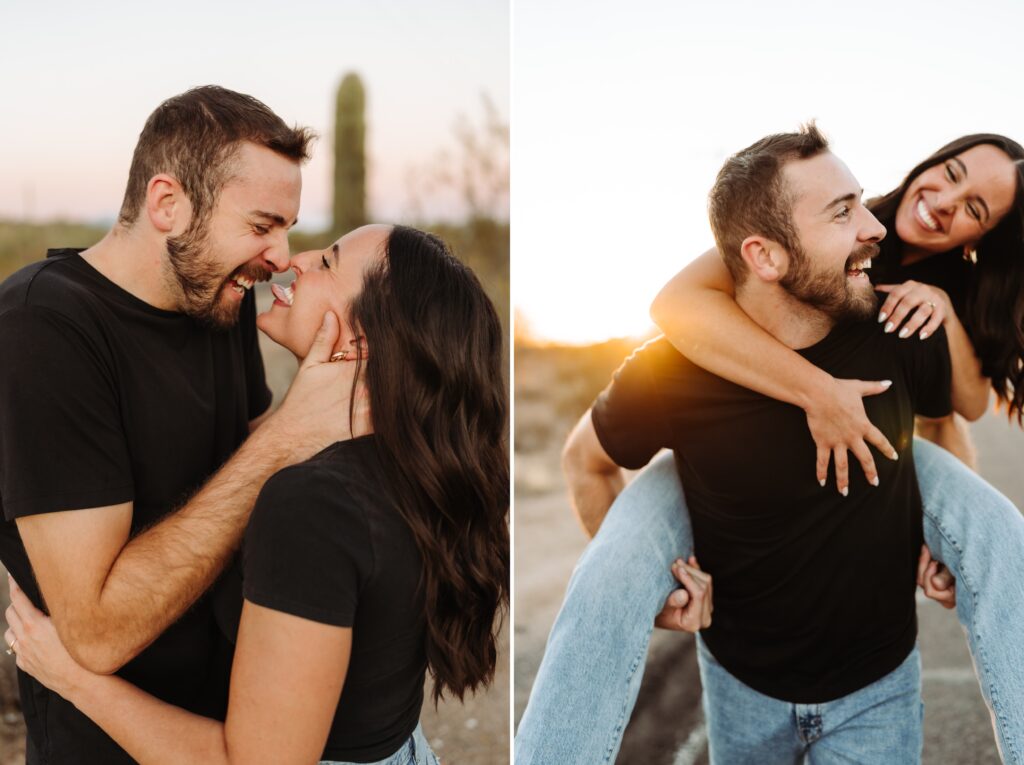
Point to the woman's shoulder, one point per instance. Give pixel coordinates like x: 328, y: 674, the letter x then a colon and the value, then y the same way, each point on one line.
x: 332, y: 487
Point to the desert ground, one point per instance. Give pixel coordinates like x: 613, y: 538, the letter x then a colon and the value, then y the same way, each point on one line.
x: 553, y: 388
x: 475, y: 732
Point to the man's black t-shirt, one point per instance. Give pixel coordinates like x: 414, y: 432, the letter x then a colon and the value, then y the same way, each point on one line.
x: 946, y: 270
x: 814, y: 592
x: 104, y: 400
x: 325, y: 544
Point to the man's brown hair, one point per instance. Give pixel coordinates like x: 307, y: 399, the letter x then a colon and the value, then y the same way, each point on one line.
x: 750, y: 196
x: 193, y: 138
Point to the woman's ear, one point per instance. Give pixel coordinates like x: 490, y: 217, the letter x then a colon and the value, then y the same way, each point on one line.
x: 355, y: 348
x: 362, y: 350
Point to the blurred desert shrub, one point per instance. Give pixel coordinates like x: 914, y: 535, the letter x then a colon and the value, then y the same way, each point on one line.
x: 24, y: 243
x: 556, y: 384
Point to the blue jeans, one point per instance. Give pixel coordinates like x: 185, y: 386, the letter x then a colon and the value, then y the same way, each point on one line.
x: 590, y: 675
x: 880, y: 723
x: 415, y: 751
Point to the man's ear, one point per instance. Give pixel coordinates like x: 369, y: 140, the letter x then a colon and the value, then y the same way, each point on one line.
x: 167, y: 206
x: 766, y: 259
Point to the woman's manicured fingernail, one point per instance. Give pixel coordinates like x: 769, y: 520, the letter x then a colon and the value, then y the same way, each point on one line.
x: 845, y: 491
x: 874, y: 481
x: 904, y: 333
x: 882, y: 317
x: 890, y: 327
x: 822, y: 482
x: 885, y: 383
x: 924, y: 334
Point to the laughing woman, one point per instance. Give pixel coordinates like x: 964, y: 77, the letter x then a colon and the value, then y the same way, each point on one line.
x: 376, y: 561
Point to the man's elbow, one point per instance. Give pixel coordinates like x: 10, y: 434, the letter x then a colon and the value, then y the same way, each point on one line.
x: 95, y: 650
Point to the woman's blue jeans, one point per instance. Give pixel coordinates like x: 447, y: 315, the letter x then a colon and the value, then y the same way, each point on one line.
x: 587, y: 684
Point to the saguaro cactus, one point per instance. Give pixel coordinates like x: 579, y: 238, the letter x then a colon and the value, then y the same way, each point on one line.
x: 349, y: 155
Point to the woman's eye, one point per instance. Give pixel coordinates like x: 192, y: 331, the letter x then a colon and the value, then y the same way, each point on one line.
x: 950, y: 174
x: 323, y: 259
x: 973, y: 212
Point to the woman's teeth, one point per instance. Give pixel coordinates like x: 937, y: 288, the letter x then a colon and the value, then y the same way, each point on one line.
x: 926, y: 217
x: 284, y: 294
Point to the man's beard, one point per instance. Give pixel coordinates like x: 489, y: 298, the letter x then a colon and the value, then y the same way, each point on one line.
x: 830, y: 293
x: 197, y: 279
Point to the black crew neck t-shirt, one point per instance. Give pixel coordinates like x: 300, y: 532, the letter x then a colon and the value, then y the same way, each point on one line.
x: 104, y: 400
x: 324, y: 543
x: 814, y: 592
x: 946, y: 270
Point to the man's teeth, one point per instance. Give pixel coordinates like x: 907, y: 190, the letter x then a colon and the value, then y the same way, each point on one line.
x: 929, y: 221
x: 243, y: 282
x: 861, y: 265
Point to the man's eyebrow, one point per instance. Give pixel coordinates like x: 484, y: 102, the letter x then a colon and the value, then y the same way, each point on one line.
x: 278, y: 219
x: 844, y: 198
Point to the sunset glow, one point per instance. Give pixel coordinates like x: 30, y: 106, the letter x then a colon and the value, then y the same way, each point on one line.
x: 611, y: 171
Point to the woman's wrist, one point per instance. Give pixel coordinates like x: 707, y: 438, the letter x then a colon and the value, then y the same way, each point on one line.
x: 814, y: 389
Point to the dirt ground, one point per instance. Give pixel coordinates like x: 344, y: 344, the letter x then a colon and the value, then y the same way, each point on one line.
x: 553, y: 387
x: 472, y: 733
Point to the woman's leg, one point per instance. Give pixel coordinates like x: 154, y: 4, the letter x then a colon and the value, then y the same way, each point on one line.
x: 979, y: 535
x: 589, y: 678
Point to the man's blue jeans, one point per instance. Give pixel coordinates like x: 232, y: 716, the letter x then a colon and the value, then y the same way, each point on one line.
x: 588, y: 681
x: 879, y: 723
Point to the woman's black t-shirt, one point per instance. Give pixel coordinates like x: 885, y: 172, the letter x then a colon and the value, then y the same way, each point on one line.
x: 946, y: 270
x: 325, y: 543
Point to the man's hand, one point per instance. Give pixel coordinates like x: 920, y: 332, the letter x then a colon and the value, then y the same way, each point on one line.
x: 838, y: 424
x: 315, y: 413
x: 936, y: 581
x: 689, y: 608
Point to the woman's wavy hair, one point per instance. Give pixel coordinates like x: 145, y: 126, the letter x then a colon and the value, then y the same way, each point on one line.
x: 995, y: 298
x: 434, y: 376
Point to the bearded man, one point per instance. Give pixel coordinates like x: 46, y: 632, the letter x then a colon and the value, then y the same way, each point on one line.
x: 131, y: 378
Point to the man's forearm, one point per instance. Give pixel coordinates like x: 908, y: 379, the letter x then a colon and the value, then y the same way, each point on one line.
x: 163, y: 570
x: 592, y: 496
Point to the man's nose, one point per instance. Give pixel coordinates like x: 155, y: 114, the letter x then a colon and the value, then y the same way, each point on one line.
x: 276, y: 256
x: 873, y: 230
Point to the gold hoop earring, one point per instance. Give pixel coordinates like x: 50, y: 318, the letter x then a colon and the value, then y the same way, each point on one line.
x: 971, y: 255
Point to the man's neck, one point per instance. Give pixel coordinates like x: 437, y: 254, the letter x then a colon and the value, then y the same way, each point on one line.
x: 134, y: 262
x: 791, y: 322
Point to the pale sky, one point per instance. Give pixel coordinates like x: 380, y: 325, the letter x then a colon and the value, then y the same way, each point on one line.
x: 623, y: 113
x: 79, y: 79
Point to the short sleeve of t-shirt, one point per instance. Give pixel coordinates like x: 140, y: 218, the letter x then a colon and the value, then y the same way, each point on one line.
x: 628, y: 415
x: 929, y: 371
x: 62, y: 446
x: 259, y: 394
x: 307, y: 549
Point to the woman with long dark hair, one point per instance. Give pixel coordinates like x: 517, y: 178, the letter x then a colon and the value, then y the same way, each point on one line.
x: 956, y: 232
x: 379, y: 560
x: 953, y: 256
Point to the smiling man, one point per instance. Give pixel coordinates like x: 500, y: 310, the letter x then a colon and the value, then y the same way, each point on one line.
x: 131, y: 376
x: 812, y: 647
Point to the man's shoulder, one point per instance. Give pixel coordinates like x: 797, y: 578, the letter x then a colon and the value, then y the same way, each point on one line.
x: 52, y: 284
